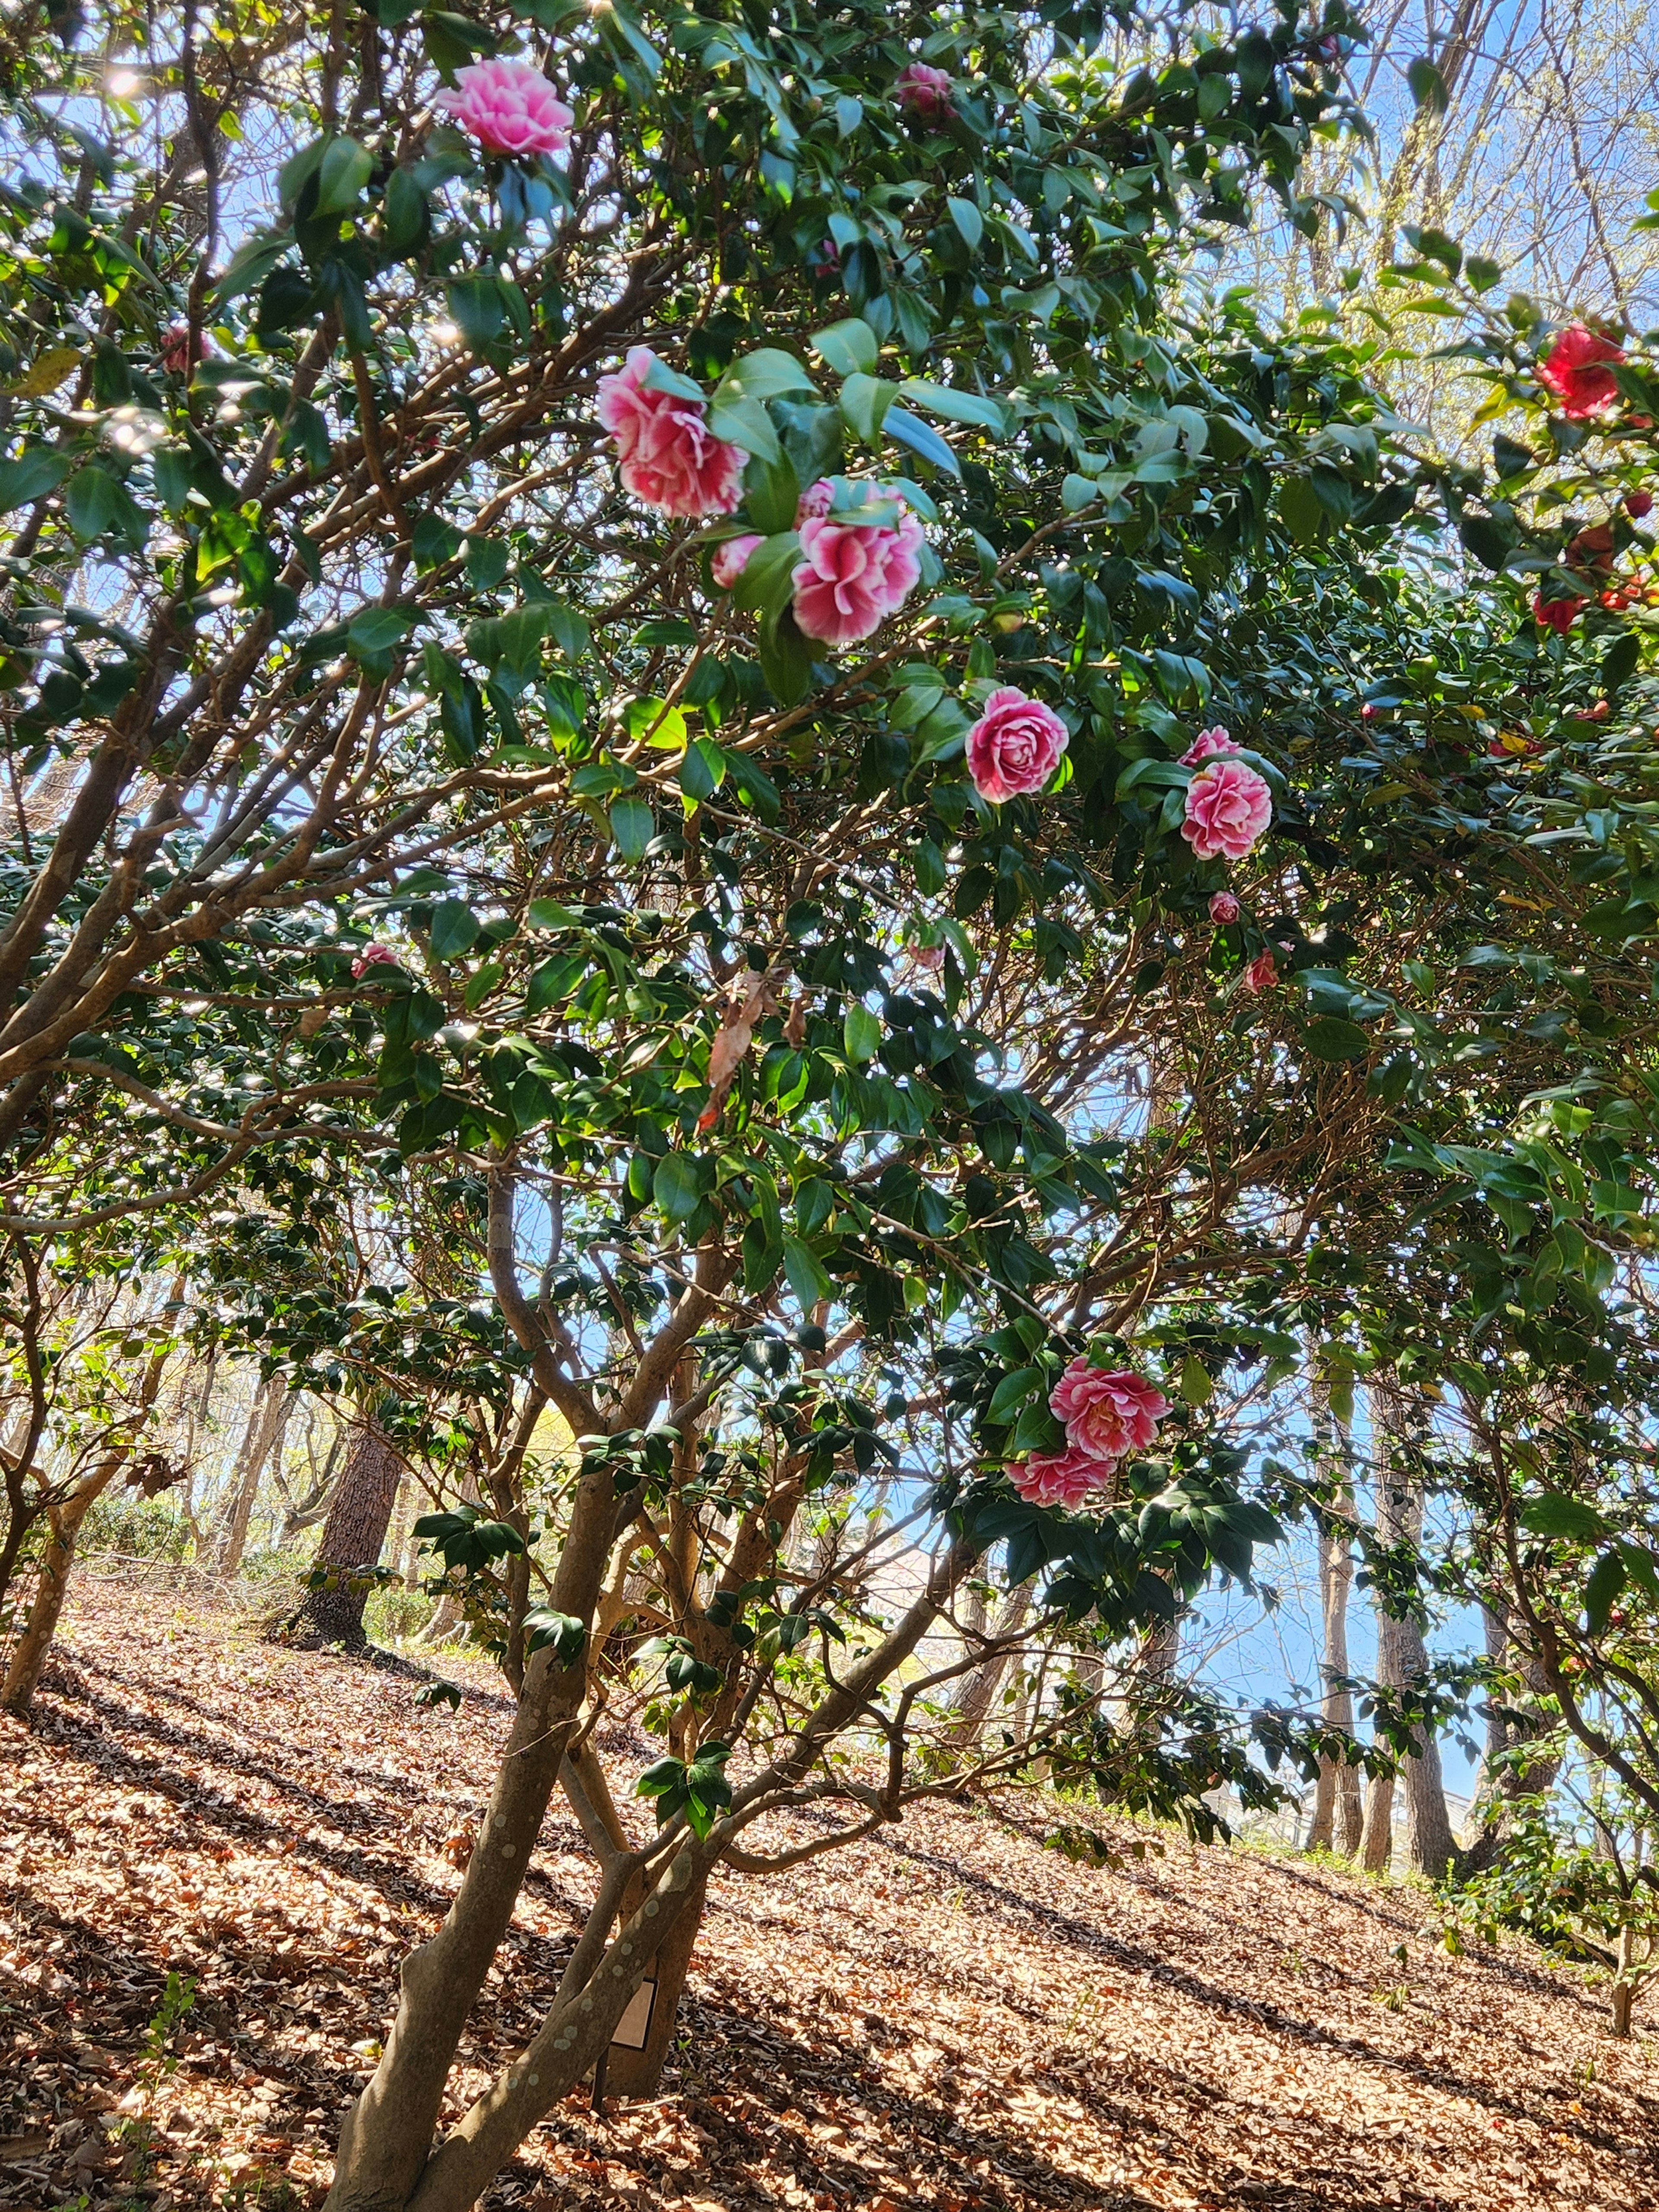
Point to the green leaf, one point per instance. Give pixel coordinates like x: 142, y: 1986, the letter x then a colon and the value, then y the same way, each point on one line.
x: 766, y: 374
x: 703, y: 769
x: 677, y: 1186
x: 1011, y: 1391
x: 562, y: 1632
x: 807, y: 1278
x: 860, y: 1032
x: 653, y: 722
x: 768, y: 581
x: 968, y: 221
x: 477, y: 310
x: 632, y: 825
x: 787, y: 664
x: 345, y: 168
x: 1428, y: 87
x: 954, y: 405
x: 1605, y: 1581
x: 1555, y: 1515
x: 746, y: 424
x: 922, y: 440
x: 850, y: 348
x: 98, y: 507
x: 1331, y: 1038
x: 30, y: 476
x: 454, y: 928
x: 865, y: 402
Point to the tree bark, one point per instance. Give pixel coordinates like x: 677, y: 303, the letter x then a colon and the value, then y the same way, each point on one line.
x: 1339, y: 1815
x: 352, y: 1537
x: 64, y: 1526
x: 267, y: 1420
x: 1402, y: 1658
x: 980, y: 1689
x: 1504, y: 1781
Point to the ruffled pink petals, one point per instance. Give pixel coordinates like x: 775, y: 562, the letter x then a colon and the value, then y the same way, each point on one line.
x: 668, y: 457
x: 1208, y: 744
x: 852, y: 576
x: 1229, y: 808
x: 1015, y: 746
x: 728, y: 561
x: 509, y: 108
x: 1261, y: 973
x: 373, y: 955
x: 923, y: 91
x: 1068, y: 1479
x: 1224, y: 909
x: 1107, y: 1412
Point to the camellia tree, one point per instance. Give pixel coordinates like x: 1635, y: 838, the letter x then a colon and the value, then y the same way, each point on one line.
x: 641, y: 642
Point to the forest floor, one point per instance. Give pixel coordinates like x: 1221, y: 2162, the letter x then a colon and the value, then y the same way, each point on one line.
x: 950, y: 2017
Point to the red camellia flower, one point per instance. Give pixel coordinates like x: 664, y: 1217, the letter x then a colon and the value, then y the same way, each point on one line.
x: 1107, y: 1412
x: 925, y: 91
x: 1224, y: 909
x: 373, y: 955
x: 1015, y: 746
x: 1065, y: 1477
x: 854, y: 574
x: 1638, y: 504
x: 1261, y: 973
x: 1558, y: 615
x: 727, y: 561
x: 1228, y: 807
x: 509, y: 108
x: 669, y: 459
x: 1368, y: 712
x: 1578, y: 369
x: 1592, y: 549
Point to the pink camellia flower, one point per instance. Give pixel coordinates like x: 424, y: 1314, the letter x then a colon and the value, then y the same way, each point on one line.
x: 178, y: 357
x: 1208, y: 744
x: 1228, y: 807
x: 854, y: 574
x: 669, y: 460
x: 1064, y: 1477
x: 1224, y: 909
x: 509, y: 108
x: 930, y: 959
x: 924, y: 91
x: 1015, y: 745
x: 1261, y: 973
x: 727, y: 561
x: 815, y: 502
x: 373, y: 955
x: 1107, y: 1411
x: 1578, y: 370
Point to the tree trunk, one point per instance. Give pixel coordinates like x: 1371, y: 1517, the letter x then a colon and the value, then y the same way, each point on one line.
x: 64, y: 1526
x: 1504, y: 1780
x: 1339, y: 1815
x: 352, y: 1536
x: 980, y: 1689
x: 266, y: 1420
x: 1402, y: 1655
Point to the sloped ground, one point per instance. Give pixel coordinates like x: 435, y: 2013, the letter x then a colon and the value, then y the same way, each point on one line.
x: 951, y: 2018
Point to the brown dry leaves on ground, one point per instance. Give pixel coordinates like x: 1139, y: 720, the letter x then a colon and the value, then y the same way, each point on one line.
x: 950, y: 2018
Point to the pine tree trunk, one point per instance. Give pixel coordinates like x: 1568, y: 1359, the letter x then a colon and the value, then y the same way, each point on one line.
x: 266, y: 1420
x: 352, y: 1537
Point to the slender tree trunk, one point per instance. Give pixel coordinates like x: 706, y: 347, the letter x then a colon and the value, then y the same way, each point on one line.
x: 352, y: 1537
x: 1402, y: 1657
x: 64, y: 1526
x: 267, y: 1421
x: 1503, y: 1779
x: 981, y: 1688
x: 1339, y: 1814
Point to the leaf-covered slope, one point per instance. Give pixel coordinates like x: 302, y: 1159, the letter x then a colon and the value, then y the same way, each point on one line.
x: 951, y: 2017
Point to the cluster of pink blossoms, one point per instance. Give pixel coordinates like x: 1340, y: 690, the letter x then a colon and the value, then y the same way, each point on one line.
x: 924, y: 91
x: 852, y: 575
x: 1229, y: 806
x: 1107, y: 1412
x: 670, y: 458
x: 509, y: 108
